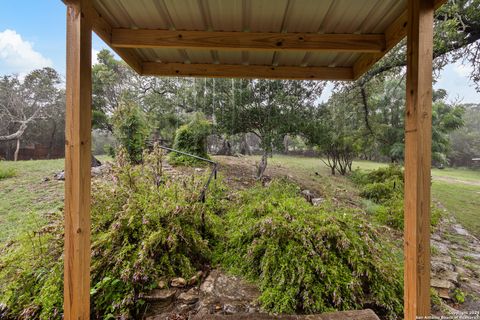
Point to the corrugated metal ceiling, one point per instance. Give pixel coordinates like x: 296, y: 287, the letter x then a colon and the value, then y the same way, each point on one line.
x: 305, y: 16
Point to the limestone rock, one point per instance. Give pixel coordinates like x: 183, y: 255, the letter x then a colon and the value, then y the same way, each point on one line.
x: 308, y: 195
x: 160, y: 295
x: 441, y: 283
x: 162, y: 284
x: 178, y: 282
x: 317, y: 201
x: 161, y: 300
x: 189, y: 297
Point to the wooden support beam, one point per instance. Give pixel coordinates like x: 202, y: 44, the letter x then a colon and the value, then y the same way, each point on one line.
x: 393, y: 35
x: 418, y: 146
x: 246, y: 71
x: 77, y: 162
x: 257, y: 41
x: 103, y: 29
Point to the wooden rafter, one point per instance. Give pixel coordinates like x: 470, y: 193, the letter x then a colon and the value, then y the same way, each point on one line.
x: 246, y: 71
x: 393, y: 35
x: 257, y: 41
x: 103, y: 29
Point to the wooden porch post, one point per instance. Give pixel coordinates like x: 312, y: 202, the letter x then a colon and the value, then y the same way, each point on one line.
x: 418, y: 136
x: 77, y: 162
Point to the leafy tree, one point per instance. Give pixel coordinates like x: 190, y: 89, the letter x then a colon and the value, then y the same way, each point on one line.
x: 110, y: 81
x: 335, y: 130
x: 268, y: 109
x: 28, y: 101
x: 465, y: 142
x: 165, y: 100
x: 131, y: 129
x: 445, y: 119
x: 380, y: 105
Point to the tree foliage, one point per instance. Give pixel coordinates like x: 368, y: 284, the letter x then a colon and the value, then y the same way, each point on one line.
x: 191, y: 138
x: 131, y: 129
x: 34, y: 100
x: 268, y: 109
x: 465, y: 142
x: 335, y: 129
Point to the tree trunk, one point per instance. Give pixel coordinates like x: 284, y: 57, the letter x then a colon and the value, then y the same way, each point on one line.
x: 226, y: 149
x: 244, y: 147
x: 15, y: 155
x: 52, y: 138
x: 262, y: 165
x: 285, y: 144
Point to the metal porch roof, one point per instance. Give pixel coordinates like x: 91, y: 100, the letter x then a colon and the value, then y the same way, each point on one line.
x: 278, y: 18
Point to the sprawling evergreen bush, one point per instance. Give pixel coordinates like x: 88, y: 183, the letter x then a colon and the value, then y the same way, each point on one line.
x: 144, y: 227
x: 310, y: 259
x: 191, y: 138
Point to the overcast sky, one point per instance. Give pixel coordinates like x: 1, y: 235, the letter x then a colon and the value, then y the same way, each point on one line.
x: 32, y: 35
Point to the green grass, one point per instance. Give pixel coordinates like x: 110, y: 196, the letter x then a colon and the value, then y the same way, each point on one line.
x: 462, y: 200
x: 458, y: 173
x: 26, y: 197
x: 311, y: 173
x: 6, y: 173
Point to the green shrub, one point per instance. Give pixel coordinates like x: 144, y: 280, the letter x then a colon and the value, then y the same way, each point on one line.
x: 392, y: 172
x: 436, y: 215
x: 310, y: 259
x: 191, y: 138
x: 391, y: 213
x: 384, y: 186
x: 381, y: 192
x: 144, y: 227
x: 6, y: 173
x: 131, y: 129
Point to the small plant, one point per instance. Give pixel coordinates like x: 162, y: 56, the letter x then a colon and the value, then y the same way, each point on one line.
x: 458, y: 296
x: 6, y: 173
x: 435, y: 298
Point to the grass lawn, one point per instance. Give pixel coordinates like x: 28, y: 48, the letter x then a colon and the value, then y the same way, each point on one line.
x: 312, y: 174
x: 462, y: 200
x: 459, y: 174
x: 26, y: 197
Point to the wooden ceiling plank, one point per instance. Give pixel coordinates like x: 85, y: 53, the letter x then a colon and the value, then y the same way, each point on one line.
x: 243, y: 71
x: 254, y: 41
x: 104, y: 31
